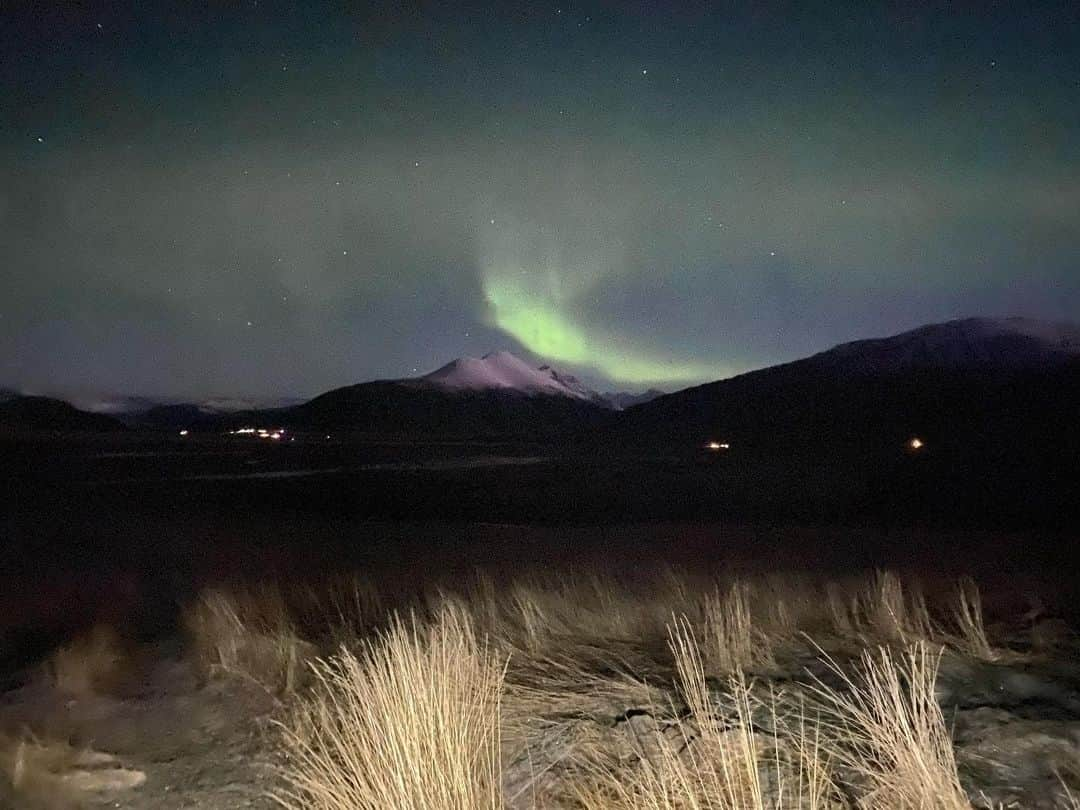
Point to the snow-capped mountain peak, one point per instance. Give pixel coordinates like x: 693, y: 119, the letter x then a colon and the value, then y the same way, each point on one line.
x: 505, y: 371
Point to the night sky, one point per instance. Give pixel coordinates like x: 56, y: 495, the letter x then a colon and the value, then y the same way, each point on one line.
x: 272, y: 199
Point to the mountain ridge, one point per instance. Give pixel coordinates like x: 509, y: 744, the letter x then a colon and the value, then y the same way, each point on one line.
x: 487, y: 395
x: 972, y: 378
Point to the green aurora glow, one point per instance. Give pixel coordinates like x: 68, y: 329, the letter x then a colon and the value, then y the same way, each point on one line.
x: 644, y: 193
x: 536, y: 322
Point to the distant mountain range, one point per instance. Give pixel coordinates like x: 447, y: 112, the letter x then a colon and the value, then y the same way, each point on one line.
x: 973, y: 376
x: 975, y: 382
x: 497, y: 394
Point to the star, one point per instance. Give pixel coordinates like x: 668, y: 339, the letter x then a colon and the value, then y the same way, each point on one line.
x: 249, y: 323
x: 40, y: 139
x: 644, y: 71
x: 772, y: 252
x: 492, y: 222
x: 344, y: 253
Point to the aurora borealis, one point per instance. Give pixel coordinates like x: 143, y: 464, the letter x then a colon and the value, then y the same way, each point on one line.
x: 273, y: 199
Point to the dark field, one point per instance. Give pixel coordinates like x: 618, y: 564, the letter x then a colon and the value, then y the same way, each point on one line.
x: 124, y: 528
x: 573, y: 557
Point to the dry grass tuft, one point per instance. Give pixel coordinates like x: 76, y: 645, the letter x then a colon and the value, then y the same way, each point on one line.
x: 894, y: 613
x: 249, y: 635
x: 339, y: 607
x: 884, y: 610
x: 412, y: 722
x: 88, y: 665
x: 718, y: 758
x: 733, y: 642
x: 888, y: 732
x: 970, y: 636
x: 554, y: 616
x: 791, y: 605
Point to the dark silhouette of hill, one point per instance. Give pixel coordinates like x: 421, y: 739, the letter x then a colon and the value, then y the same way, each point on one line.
x: 193, y: 416
x: 23, y: 413
x: 994, y: 412
x: 963, y: 382
x: 403, y: 407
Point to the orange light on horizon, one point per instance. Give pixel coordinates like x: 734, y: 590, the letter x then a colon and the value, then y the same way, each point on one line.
x: 916, y: 444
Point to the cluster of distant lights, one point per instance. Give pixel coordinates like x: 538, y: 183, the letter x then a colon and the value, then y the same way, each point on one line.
x: 273, y: 434
x: 262, y: 433
x: 914, y: 444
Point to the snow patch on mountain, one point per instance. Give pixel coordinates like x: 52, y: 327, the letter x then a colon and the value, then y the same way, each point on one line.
x: 503, y: 371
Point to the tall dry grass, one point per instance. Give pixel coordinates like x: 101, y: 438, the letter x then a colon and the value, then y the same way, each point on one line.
x: 970, y: 637
x: 248, y: 634
x: 426, y: 713
x: 733, y: 640
x: 545, y: 615
x: 883, y: 610
x: 410, y: 721
x: 888, y: 732
x: 717, y: 758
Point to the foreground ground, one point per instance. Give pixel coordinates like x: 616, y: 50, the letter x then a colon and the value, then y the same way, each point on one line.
x: 661, y: 690
x: 515, y: 629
